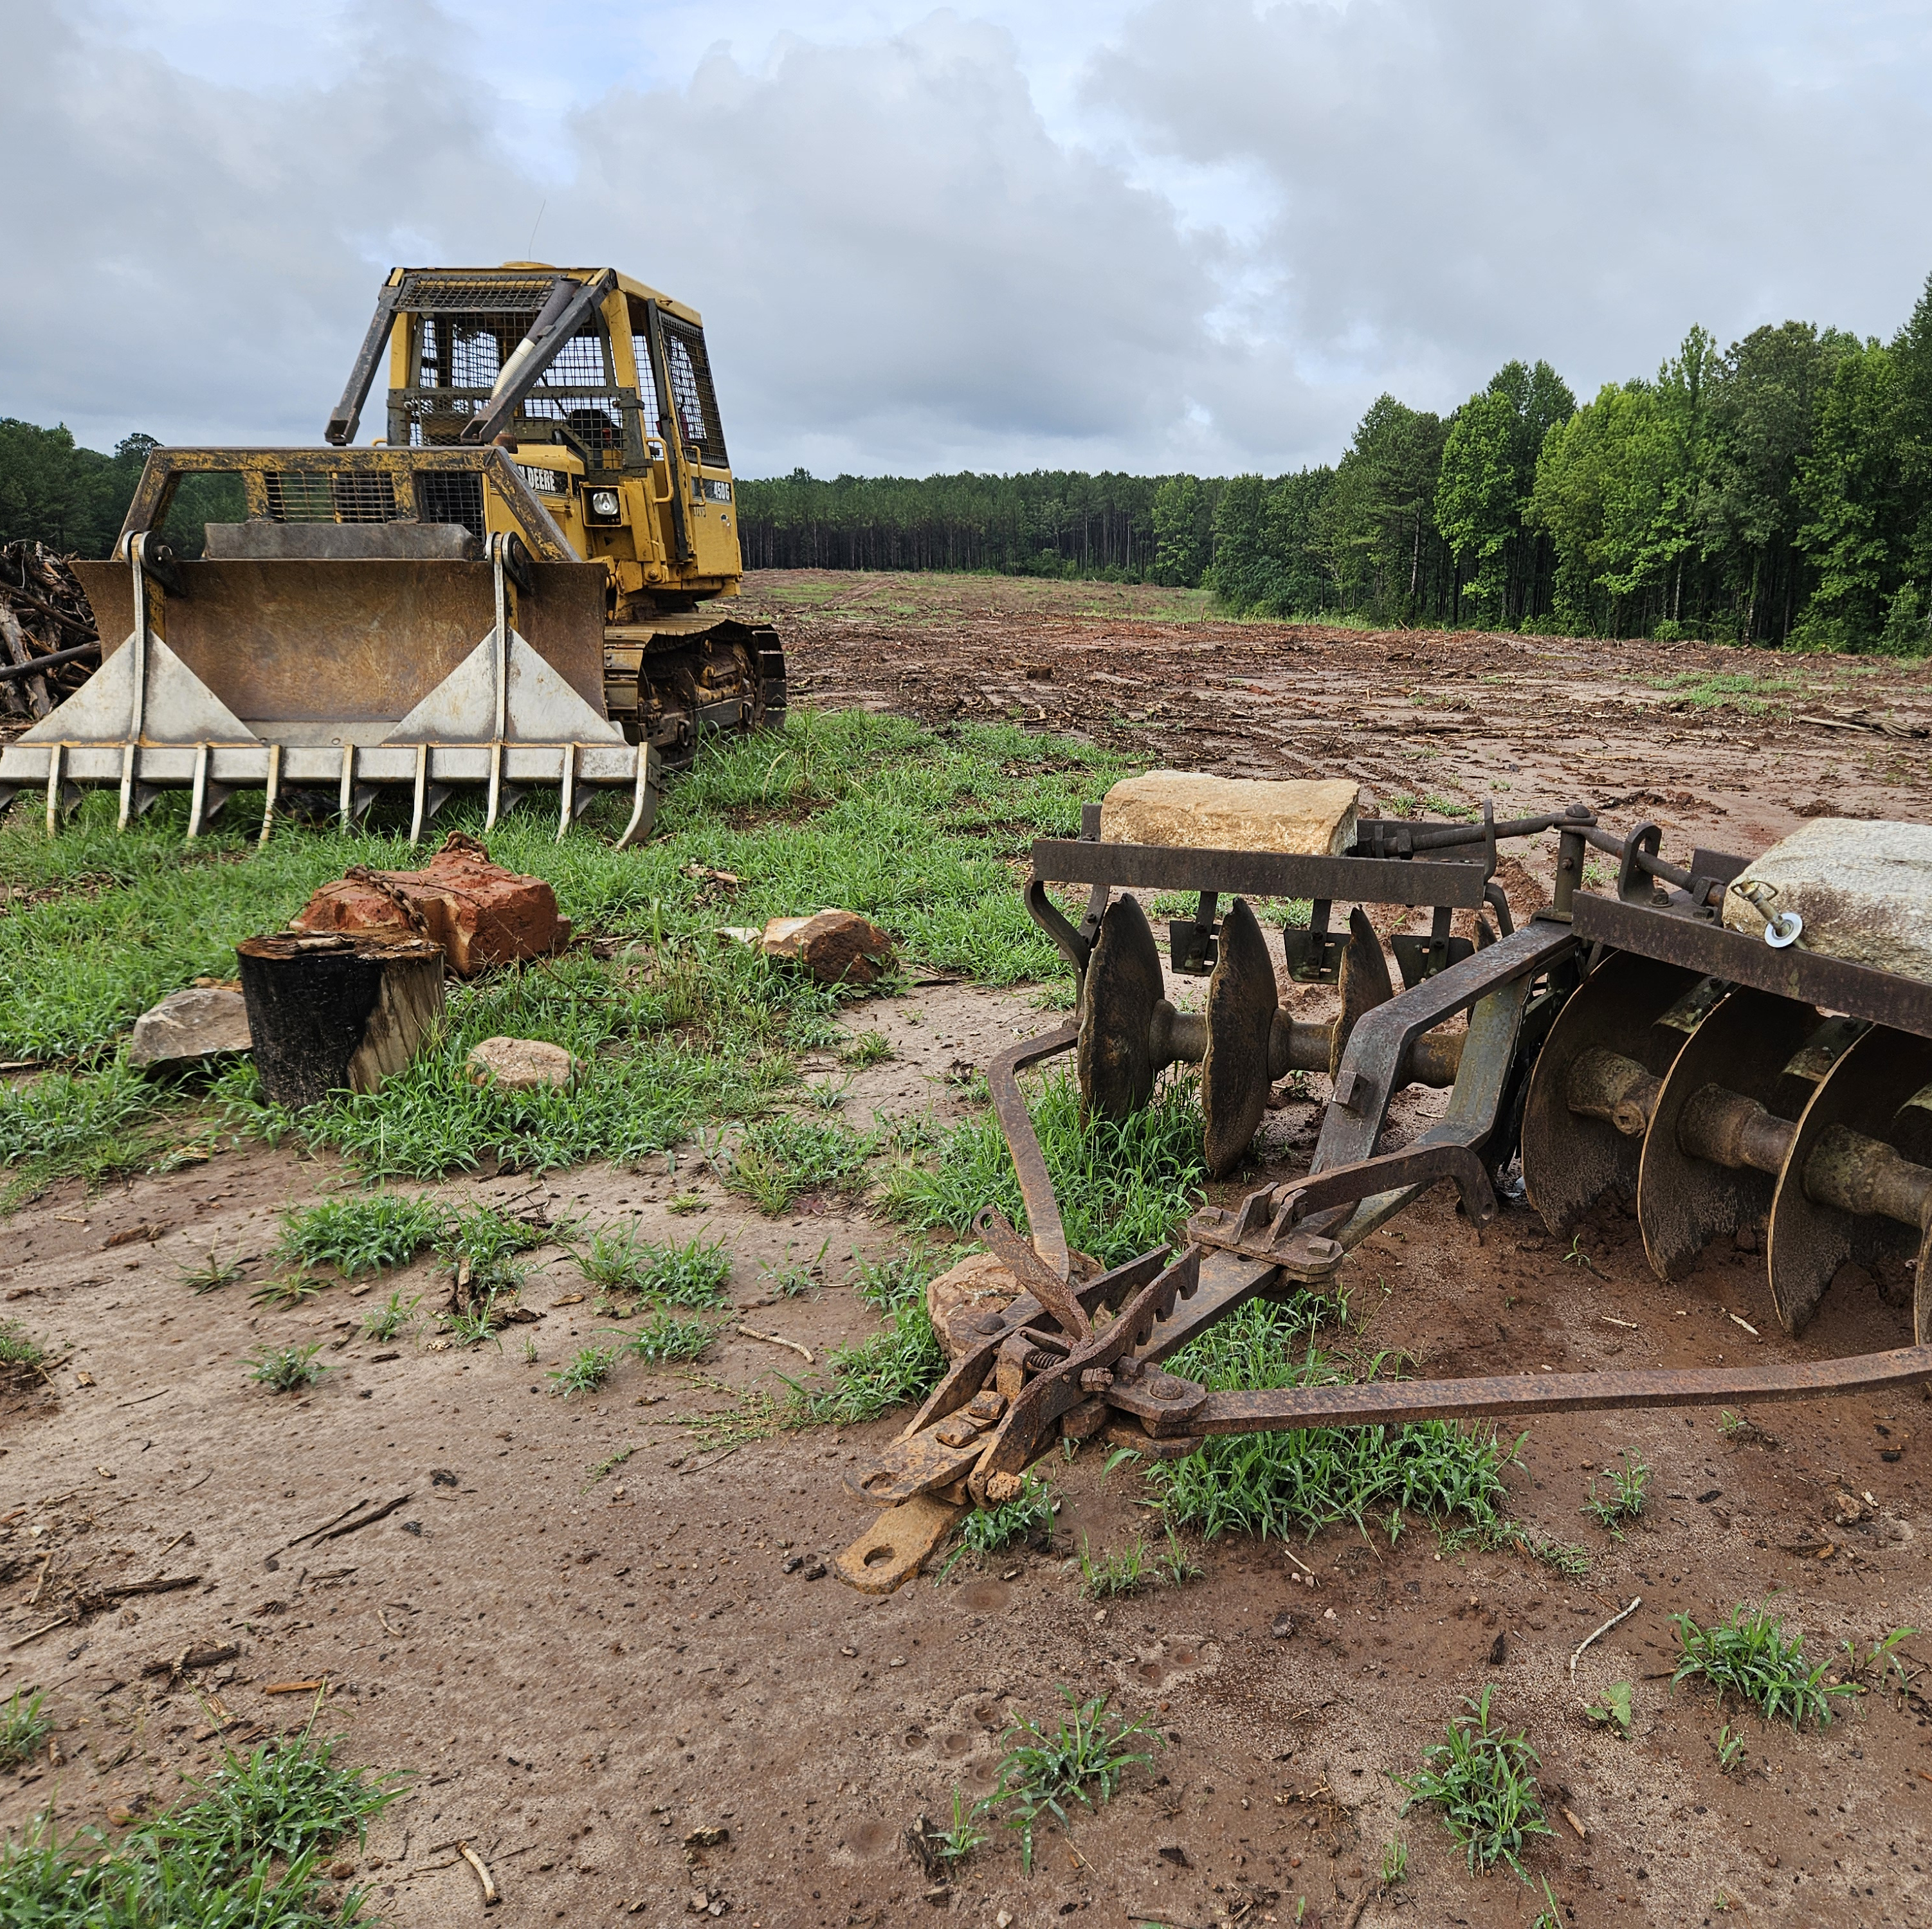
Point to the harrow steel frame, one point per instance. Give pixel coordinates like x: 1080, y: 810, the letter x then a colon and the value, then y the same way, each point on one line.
x: 1084, y: 1359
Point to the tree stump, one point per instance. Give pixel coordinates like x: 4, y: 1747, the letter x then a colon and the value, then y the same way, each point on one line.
x: 330, y: 1012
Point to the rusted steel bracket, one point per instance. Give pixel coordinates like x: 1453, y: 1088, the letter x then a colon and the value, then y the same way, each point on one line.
x: 1010, y: 1107
x: 1290, y: 1225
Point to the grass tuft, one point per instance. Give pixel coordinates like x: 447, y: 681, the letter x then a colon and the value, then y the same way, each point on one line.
x: 697, y: 1273
x: 1625, y: 1499
x: 287, y: 1369
x: 586, y: 1373
x: 370, y: 1234
x: 667, y: 1338
x: 1751, y: 1657
x: 985, y: 1530
x: 1081, y: 1761
x: 391, y: 1317
x: 25, y: 1724
x: 776, y: 1160
x: 1484, y: 1782
x: 16, y: 1349
x: 1297, y: 1483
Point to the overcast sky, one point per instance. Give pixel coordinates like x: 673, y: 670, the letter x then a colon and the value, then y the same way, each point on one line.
x: 1199, y: 234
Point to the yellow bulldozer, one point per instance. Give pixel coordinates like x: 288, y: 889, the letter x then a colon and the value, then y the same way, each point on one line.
x: 521, y: 583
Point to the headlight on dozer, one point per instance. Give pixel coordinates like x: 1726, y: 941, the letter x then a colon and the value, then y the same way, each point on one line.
x: 603, y: 504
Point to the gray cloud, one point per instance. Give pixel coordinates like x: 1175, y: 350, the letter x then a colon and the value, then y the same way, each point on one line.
x: 904, y: 267
x: 1457, y: 181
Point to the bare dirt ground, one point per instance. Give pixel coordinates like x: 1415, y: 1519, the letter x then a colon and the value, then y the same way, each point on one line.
x: 590, y: 1637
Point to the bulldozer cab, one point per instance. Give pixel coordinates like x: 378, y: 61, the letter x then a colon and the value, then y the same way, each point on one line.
x: 599, y: 387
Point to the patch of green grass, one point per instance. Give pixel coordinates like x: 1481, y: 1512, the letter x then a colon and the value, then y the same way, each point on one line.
x: 1562, y: 1557
x: 696, y: 1273
x: 899, y: 1364
x: 915, y: 830
x: 1123, y: 1188
x: 369, y: 1234
x: 795, y: 1279
x: 868, y: 1048
x: 1394, y: 1869
x: 391, y: 1317
x: 16, y: 1349
x: 1624, y: 1500
x: 668, y: 1338
x: 487, y: 1240
x: 776, y: 1161
x: 985, y: 1530
x: 210, y: 1274
x: 586, y: 1373
x: 287, y: 1369
x: 473, y: 1324
x: 1709, y: 689
x: 1730, y: 1749
x: 680, y: 1203
x: 1082, y: 1761
x: 288, y: 1289
x: 25, y: 1724
x: 1285, y: 1483
x: 957, y: 1841
x: 1750, y: 1656
x: 1127, y: 1569
x: 1484, y: 1782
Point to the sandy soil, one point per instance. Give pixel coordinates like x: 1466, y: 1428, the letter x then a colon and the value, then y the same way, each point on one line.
x: 590, y: 1659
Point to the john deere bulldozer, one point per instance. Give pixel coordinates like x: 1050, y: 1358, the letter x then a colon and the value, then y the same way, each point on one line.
x: 522, y: 582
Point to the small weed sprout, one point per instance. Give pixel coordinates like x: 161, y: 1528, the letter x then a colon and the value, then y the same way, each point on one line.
x: 1395, y: 1864
x: 1613, y: 1711
x: 24, y: 1725
x: 611, y: 1466
x: 987, y: 1529
x: 390, y: 1318
x: 679, y: 1203
x: 1560, y: 1557
x: 958, y: 1839
x: 1121, y: 1571
x: 1484, y: 1781
x: 1730, y: 1750
x: 287, y: 1369
x: 1750, y: 1657
x: 1083, y: 1761
x: 668, y: 1338
x: 868, y: 1048
x: 1576, y: 1256
x: 529, y: 1351
x: 585, y: 1374
x: 288, y: 1289
x: 1550, y: 1915
x: 1880, y: 1663
x: 827, y: 1098
x: 471, y: 1325
x: 1624, y: 1500
x: 1174, y: 1563
x: 211, y: 1275
x: 794, y: 1278
x: 16, y: 1349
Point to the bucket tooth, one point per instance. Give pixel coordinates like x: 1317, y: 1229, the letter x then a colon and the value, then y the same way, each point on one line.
x: 1736, y: 1061
x: 1113, y: 1058
x: 1854, y: 1180
x: 1241, y: 1007
x: 1632, y: 1007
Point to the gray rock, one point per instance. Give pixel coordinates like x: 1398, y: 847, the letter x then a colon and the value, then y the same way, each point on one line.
x: 520, y: 1065
x: 1864, y: 890
x: 190, y: 1025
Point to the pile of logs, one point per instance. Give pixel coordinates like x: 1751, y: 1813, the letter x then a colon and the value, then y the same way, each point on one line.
x: 48, y: 646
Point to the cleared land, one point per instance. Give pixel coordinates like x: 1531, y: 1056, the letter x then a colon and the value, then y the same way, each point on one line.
x: 592, y: 1627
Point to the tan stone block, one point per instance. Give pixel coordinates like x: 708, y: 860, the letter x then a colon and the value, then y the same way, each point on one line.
x: 1314, y: 817
x: 1864, y: 890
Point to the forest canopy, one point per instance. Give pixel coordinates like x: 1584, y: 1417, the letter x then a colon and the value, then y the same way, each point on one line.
x: 1778, y: 491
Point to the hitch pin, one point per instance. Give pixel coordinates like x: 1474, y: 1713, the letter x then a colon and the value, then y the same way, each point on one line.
x: 1782, y: 927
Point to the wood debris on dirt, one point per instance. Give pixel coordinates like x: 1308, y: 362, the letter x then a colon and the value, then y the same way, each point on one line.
x: 43, y: 616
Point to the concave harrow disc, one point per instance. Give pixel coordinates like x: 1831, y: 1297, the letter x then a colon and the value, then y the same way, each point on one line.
x: 1114, y: 1058
x: 1634, y: 1007
x: 1241, y: 1005
x: 1882, y: 1087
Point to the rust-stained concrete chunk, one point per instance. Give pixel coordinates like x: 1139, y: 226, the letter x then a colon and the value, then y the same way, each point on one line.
x: 1312, y: 816
x: 1864, y: 890
x: 836, y: 947
x: 480, y: 914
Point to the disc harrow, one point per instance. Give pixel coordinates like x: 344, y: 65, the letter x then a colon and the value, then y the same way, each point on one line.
x: 1627, y: 1043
